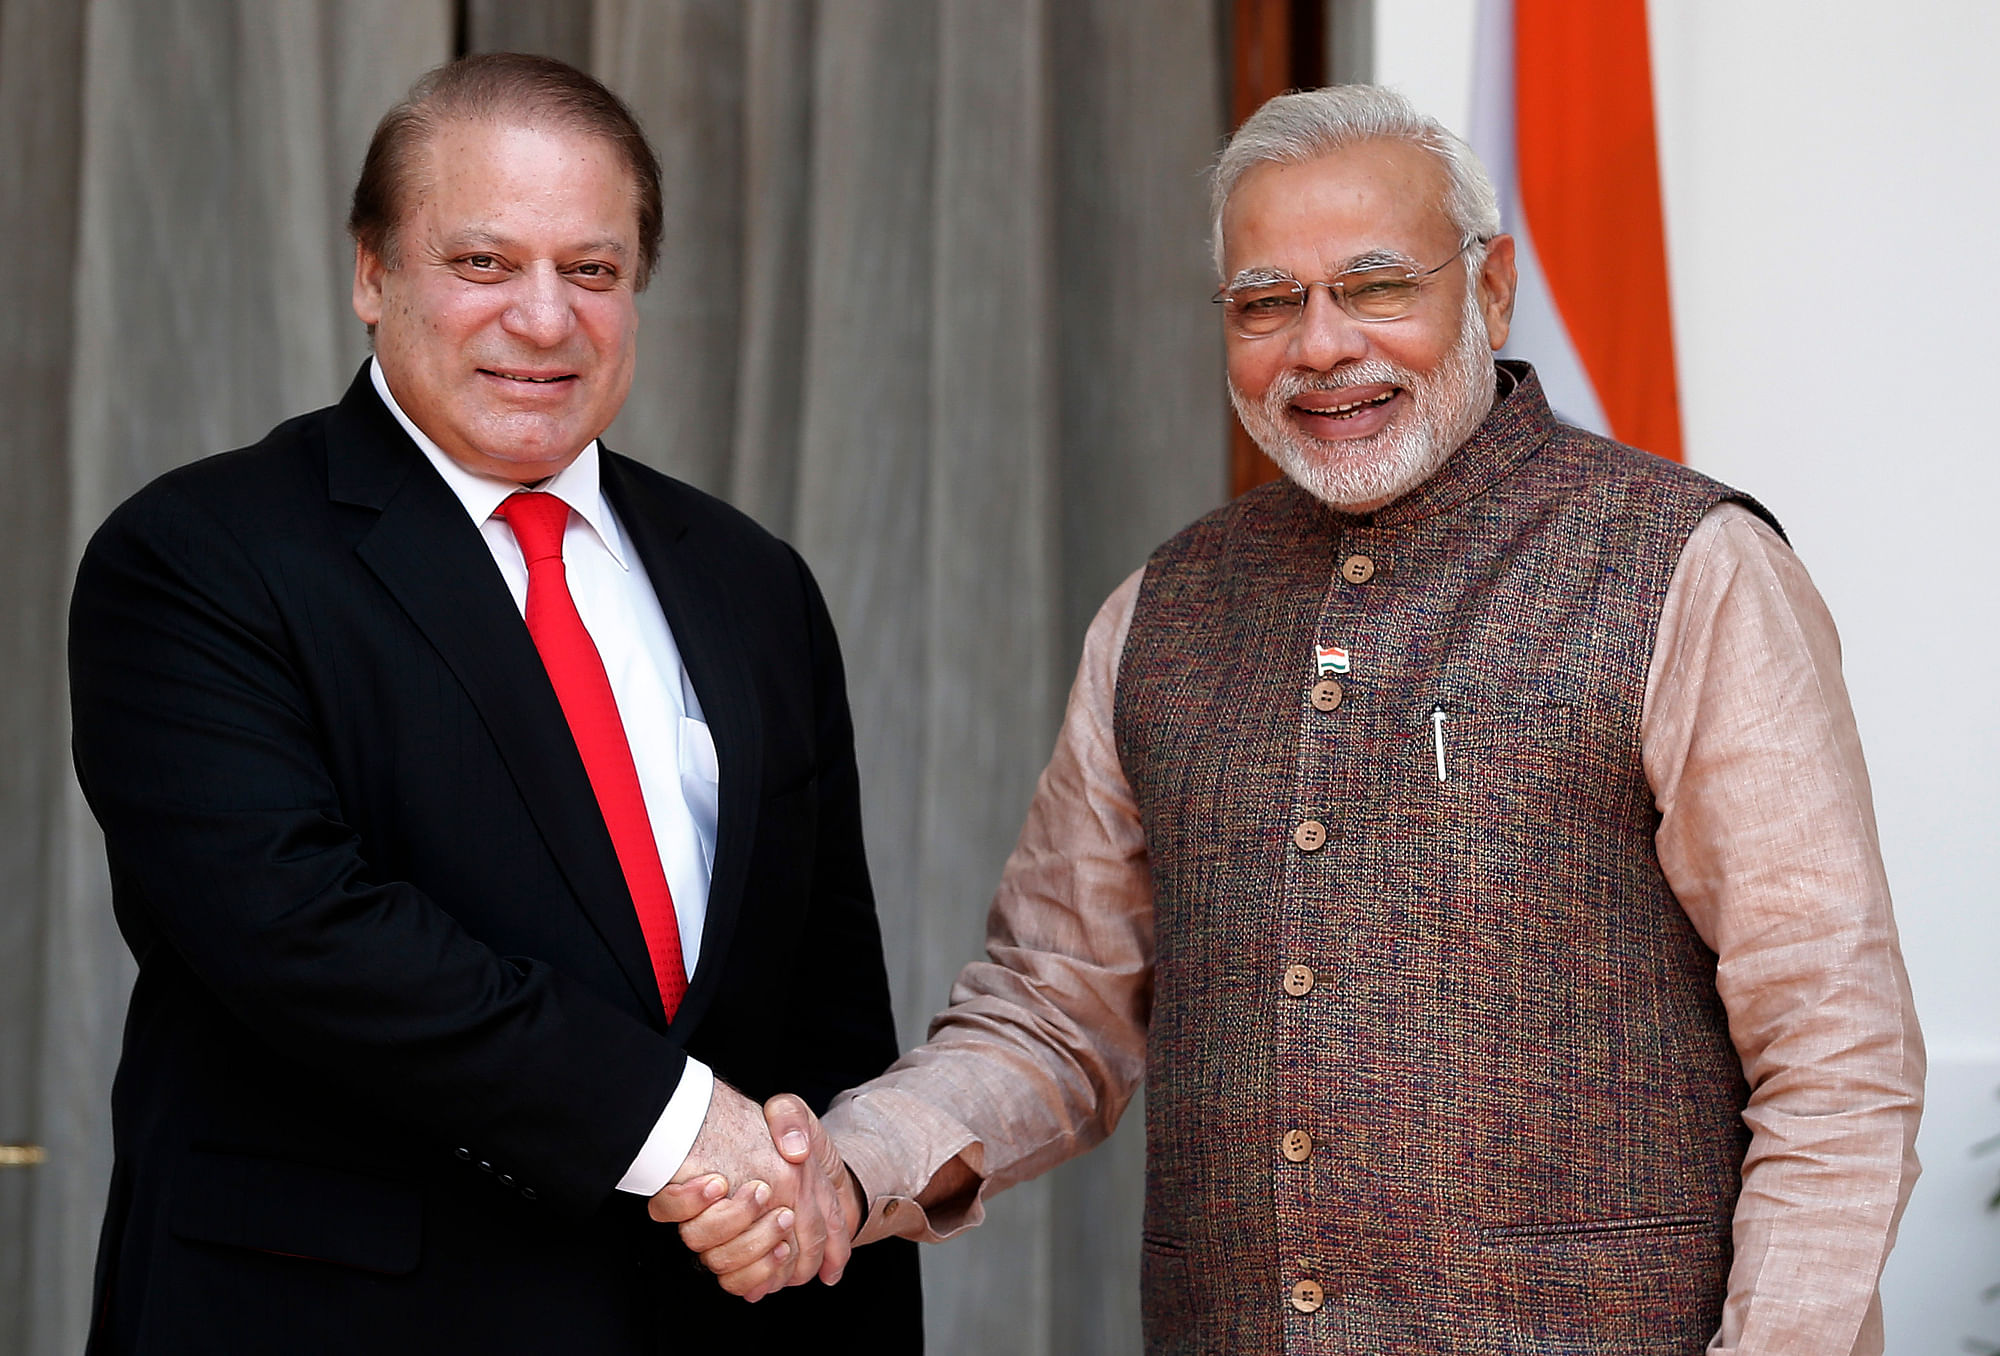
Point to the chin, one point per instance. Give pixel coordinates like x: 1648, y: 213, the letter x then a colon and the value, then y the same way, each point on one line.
x: 1353, y: 476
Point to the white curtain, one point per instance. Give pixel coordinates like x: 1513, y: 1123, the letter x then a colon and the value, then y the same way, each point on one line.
x: 930, y: 305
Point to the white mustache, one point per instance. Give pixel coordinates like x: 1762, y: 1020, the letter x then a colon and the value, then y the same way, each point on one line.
x: 1289, y: 386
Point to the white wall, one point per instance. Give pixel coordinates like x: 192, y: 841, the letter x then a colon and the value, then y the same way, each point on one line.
x: 1831, y: 205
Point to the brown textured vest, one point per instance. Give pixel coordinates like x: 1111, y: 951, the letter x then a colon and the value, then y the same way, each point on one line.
x: 1437, y: 1063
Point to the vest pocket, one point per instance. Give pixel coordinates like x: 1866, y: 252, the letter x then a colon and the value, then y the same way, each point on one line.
x: 1171, y: 1308
x: 1584, y: 1231
x: 1556, y: 921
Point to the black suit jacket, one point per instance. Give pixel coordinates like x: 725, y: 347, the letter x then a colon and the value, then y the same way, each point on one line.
x: 395, y: 1035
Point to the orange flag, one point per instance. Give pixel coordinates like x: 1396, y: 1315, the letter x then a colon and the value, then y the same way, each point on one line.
x: 1564, y: 121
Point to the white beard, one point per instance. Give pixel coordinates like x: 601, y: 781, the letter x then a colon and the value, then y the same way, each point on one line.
x: 1361, y: 474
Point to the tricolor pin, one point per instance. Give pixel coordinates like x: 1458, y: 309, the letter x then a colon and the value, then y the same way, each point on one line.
x: 1332, y: 660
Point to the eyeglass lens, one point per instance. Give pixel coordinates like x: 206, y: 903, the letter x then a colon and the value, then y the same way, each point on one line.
x: 1380, y: 294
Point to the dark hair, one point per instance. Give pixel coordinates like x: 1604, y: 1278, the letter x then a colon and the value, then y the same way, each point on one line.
x: 507, y: 87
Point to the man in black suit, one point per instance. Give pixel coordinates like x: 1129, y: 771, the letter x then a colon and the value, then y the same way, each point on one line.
x: 458, y: 936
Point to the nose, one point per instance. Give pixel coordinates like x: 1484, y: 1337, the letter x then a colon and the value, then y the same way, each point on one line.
x: 539, y: 311
x: 1326, y: 335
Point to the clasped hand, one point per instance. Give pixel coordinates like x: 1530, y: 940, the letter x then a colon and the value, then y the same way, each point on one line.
x: 793, y: 1211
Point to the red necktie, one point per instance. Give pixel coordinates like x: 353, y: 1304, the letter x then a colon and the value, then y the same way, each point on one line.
x: 577, y: 674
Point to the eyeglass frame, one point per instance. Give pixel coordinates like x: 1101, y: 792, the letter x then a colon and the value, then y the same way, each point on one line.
x: 1337, y: 290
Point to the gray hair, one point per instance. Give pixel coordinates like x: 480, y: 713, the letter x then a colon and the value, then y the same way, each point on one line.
x: 1296, y: 128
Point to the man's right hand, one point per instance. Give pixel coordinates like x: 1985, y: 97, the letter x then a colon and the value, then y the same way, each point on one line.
x: 794, y: 1211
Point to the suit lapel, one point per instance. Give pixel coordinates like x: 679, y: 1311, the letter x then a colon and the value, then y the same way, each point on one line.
x: 697, y: 608
x: 430, y: 557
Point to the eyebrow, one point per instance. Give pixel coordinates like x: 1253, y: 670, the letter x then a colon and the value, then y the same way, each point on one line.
x: 1263, y: 275
x: 1259, y: 277
x: 1379, y: 259
x: 478, y: 237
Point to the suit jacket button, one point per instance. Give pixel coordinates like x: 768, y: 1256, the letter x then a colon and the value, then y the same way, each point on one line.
x: 506, y: 1179
x: 464, y: 1155
x: 1310, y: 835
x: 1357, y: 569
x: 1307, y: 1297
x: 1299, y: 980
x: 1326, y: 695
x: 484, y: 1166
x: 527, y: 1193
x: 1298, y: 1146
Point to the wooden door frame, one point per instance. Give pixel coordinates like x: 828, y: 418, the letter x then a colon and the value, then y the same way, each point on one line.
x: 1274, y: 46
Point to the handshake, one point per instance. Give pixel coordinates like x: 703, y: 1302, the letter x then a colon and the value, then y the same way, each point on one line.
x: 763, y: 1196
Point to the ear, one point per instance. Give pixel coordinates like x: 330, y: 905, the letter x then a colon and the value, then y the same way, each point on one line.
x: 1496, y: 289
x: 368, y: 273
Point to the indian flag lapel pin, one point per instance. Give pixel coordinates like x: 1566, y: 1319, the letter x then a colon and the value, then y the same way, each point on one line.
x: 1332, y: 660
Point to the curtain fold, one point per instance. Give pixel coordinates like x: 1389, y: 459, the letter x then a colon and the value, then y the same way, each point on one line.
x: 185, y: 184
x: 930, y: 306
x: 41, y: 45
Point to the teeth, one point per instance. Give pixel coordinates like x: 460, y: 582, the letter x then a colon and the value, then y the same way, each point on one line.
x: 538, y: 380
x: 1352, y: 406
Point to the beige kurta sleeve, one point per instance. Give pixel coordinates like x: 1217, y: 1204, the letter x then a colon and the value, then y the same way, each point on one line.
x: 1044, y: 1041
x: 1767, y: 835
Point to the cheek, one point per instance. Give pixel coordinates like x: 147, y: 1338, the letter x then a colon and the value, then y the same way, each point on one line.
x: 1419, y: 348
x: 1252, y: 367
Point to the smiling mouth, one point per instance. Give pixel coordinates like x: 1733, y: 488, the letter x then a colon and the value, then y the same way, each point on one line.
x: 527, y: 380
x: 1349, y: 410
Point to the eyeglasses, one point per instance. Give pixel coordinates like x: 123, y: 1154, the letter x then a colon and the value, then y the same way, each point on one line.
x: 1268, y: 303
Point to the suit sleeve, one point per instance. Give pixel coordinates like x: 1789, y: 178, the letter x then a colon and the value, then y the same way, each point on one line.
x: 232, y: 859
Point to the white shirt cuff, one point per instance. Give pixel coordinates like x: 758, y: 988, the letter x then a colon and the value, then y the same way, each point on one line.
x: 673, y: 1134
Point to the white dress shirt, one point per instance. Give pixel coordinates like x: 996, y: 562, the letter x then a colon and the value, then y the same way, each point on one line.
x: 671, y: 748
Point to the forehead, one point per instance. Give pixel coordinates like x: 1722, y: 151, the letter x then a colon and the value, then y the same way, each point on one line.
x: 483, y: 175
x: 1313, y: 218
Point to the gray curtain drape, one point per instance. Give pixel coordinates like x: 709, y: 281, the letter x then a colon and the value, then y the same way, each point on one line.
x: 930, y: 306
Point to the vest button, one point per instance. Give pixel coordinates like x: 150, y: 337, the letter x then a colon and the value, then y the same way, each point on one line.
x: 1310, y: 836
x: 1357, y: 569
x: 1326, y: 695
x: 1298, y: 980
x: 1298, y: 1146
x: 1307, y: 1296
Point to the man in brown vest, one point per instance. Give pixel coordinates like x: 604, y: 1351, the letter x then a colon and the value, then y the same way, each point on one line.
x: 1467, y: 838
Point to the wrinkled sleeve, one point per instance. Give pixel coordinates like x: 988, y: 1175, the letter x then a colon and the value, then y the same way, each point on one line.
x: 1767, y: 836
x: 1044, y: 1041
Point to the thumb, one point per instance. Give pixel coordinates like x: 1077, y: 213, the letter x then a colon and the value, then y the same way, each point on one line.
x: 793, y: 1127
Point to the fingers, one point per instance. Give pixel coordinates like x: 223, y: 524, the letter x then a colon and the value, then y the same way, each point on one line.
x: 847, y: 1208
x: 726, y: 1219
x: 754, y: 1260
x: 824, y: 1191
x: 678, y: 1201
x: 765, y: 1276
x: 768, y: 1238
x: 843, y: 1204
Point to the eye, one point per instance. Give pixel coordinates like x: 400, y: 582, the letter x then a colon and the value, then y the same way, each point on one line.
x: 594, y: 274
x: 1267, y: 303
x: 479, y: 266
x: 1380, y: 298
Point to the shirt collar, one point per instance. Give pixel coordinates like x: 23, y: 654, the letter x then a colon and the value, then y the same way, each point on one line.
x: 577, y: 484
